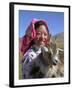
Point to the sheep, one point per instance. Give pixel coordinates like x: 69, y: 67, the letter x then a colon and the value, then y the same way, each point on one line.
x: 49, y: 63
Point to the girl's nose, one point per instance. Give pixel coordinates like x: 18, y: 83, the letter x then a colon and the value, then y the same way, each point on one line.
x: 42, y: 36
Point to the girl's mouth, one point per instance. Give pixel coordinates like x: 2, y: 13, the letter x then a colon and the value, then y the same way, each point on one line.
x: 42, y: 42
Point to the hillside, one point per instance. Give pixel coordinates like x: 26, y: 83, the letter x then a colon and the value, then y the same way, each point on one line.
x: 59, y: 39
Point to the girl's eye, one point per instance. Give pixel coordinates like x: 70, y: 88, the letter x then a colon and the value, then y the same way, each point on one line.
x: 38, y: 33
x: 45, y: 34
x: 41, y: 33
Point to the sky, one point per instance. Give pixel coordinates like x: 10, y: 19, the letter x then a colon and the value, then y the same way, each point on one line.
x: 55, y: 20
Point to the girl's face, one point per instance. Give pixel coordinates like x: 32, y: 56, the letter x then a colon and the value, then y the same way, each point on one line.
x: 41, y: 36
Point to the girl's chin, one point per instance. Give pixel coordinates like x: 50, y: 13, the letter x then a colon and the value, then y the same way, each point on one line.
x: 40, y: 44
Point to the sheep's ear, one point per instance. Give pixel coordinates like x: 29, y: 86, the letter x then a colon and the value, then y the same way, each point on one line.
x: 61, y: 55
x: 53, y: 44
x: 44, y: 50
x: 53, y: 47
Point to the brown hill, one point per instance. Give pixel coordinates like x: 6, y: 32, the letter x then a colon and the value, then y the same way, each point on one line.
x: 59, y: 39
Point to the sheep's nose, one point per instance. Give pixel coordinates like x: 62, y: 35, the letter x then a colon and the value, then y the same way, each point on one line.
x: 55, y: 62
x: 53, y: 76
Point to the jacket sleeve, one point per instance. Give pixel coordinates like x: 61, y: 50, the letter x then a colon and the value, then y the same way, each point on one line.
x: 28, y: 64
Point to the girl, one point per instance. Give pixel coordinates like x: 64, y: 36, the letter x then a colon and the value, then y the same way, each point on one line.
x: 37, y: 36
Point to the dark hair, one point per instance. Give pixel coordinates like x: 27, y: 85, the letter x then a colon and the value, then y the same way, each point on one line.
x: 39, y: 23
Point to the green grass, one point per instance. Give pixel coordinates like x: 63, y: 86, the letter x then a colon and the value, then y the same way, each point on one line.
x: 20, y: 71
x: 20, y: 65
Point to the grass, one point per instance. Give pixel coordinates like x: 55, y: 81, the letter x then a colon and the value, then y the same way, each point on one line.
x: 20, y: 65
x: 20, y: 71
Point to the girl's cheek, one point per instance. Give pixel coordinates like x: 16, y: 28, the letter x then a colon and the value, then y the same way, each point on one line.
x: 37, y: 37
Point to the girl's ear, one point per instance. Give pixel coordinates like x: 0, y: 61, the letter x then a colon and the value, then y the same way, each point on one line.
x: 50, y: 35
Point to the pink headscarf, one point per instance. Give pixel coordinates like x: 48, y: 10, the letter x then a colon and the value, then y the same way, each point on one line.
x: 29, y: 36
